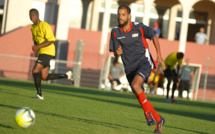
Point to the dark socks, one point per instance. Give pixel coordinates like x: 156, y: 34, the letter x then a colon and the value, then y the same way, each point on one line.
x: 56, y: 76
x: 168, y: 86
x: 173, y: 89
x: 37, y: 82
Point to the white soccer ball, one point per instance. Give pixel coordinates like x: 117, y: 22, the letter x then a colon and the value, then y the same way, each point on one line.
x: 24, y: 117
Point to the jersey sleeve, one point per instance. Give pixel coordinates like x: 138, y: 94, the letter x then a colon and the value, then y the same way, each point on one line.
x: 114, y: 44
x: 149, y: 33
x: 48, y: 32
x: 33, y: 37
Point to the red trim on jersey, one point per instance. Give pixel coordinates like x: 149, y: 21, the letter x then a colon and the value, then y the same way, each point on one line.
x: 144, y: 39
x: 115, y: 35
x: 131, y: 25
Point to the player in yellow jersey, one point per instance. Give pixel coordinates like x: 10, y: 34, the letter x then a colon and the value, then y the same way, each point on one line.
x: 170, y: 72
x: 44, y: 46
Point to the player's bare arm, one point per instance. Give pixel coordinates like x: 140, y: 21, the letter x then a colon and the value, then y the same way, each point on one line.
x: 159, y: 56
x: 119, y: 51
x: 36, y: 47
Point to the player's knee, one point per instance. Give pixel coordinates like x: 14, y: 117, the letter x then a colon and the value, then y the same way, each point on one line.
x: 135, y: 86
x: 35, y: 71
x: 44, y: 77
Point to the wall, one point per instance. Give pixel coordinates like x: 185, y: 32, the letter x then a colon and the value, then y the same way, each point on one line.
x: 19, y: 42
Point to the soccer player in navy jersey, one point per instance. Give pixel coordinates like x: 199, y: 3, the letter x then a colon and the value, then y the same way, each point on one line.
x: 128, y: 40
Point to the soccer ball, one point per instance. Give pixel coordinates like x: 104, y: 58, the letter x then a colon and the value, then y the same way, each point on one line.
x: 24, y: 117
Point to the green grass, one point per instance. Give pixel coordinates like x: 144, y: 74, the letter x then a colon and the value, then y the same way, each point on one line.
x: 85, y: 110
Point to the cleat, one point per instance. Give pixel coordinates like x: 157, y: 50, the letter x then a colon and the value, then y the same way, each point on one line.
x: 69, y: 76
x: 175, y: 101
x: 158, y: 128
x: 150, y: 119
x: 38, y: 97
x: 168, y: 100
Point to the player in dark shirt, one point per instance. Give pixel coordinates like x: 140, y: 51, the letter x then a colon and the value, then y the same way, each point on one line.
x: 128, y: 40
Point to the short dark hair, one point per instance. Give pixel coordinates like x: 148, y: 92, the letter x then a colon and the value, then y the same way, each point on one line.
x: 125, y: 7
x: 180, y: 55
x: 34, y: 10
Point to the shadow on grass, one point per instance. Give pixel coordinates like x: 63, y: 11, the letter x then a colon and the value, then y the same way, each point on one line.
x: 182, y: 129
x: 90, y: 121
x: 5, y: 126
x: 186, y: 130
x: 83, y: 93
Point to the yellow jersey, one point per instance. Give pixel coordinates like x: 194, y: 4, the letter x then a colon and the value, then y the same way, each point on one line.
x: 171, y: 60
x: 42, y: 33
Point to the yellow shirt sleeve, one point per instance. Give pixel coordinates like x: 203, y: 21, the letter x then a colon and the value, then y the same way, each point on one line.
x: 48, y: 32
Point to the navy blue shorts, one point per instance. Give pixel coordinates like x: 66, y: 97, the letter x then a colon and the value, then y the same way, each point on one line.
x: 144, y: 71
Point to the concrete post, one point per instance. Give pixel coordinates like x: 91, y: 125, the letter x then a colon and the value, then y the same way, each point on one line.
x: 105, y: 25
x: 172, y: 22
x: 186, y: 6
x: 147, y: 7
x: 62, y: 28
x: 95, y: 16
x: 78, y: 60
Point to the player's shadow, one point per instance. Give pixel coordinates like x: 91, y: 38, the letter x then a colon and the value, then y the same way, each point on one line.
x: 5, y: 126
x: 90, y: 121
x: 198, y: 132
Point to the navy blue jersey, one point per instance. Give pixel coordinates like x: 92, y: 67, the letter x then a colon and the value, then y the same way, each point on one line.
x: 134, y: 45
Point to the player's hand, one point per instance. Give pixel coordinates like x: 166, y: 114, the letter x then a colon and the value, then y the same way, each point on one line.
x: 35, y: 48
x: 119, y: 50
x: 160, y: 60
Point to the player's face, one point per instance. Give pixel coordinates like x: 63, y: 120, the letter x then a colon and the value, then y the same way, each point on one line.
x: 123, y: 17
x: 34, y: 17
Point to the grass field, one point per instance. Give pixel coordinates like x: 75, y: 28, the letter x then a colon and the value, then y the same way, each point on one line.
x: 66, y: 109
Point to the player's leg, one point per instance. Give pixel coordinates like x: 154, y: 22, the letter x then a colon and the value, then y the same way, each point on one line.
x: 46, y: 76
x: 136, y: 86
x: 118, y: 82
x: 44, y: 72
x: 175, y: 81
x: 156, y: 81
x: 168, y: 75
x: 180, y: 91
x: 187, y: 88
x: 151, y: 114
x: 168, y: 86
x: 37, y: 78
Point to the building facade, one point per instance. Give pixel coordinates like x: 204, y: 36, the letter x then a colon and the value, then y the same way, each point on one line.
x: 178, y: 19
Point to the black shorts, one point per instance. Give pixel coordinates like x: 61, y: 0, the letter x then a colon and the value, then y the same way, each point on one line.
x: 44, y: 60
x: 185, y: 85
x: 117, y: 80
x: 170, y: 73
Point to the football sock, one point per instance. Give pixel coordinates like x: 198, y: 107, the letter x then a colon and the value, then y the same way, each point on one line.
x: 168, y: 86
x: 154, y: 113
x: 147, y: 106
x: 143, y: 102
x: 37, y: 82
x: 173, y: 89
x: 56, y: 76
